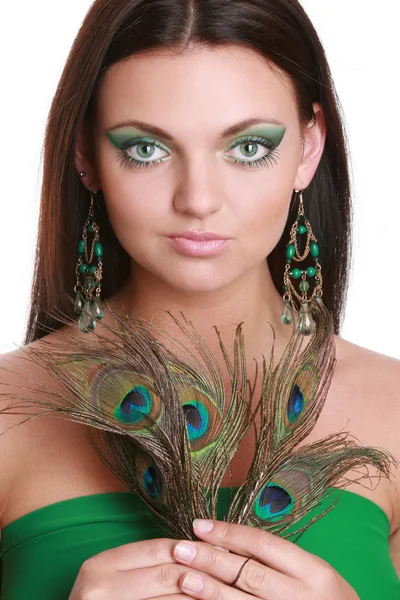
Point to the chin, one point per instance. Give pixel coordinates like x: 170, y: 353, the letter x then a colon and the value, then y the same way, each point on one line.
x: 197, y: 283
x: 196, y: 287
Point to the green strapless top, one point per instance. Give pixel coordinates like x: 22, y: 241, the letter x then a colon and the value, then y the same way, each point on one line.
x: 42, y: 552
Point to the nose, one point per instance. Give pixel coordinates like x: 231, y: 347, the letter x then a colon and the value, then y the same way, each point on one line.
x: 199, y: 192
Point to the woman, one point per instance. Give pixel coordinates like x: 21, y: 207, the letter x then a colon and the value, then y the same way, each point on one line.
x: 175, y: 119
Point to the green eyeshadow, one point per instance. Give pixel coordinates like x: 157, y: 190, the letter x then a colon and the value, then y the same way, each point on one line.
x: 124, y: 139
x: 273, y: 133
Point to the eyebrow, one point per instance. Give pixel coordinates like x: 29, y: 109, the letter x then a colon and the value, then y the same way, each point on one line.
x: 226, y: 133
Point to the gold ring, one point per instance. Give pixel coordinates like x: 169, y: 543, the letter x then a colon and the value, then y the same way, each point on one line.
x: 240, y: 571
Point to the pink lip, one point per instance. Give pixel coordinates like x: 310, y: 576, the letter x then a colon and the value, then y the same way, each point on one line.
x: 198, y: 247
x: 199, y: 235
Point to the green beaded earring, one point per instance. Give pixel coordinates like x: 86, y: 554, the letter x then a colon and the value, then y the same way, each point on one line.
x: 301, y: 229
x: 87, y: 300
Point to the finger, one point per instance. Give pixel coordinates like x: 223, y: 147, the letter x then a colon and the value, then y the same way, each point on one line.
x: 135, y: 555
x: 255, y: 578
x: 278, y: 553
x: 202, y: 586
x: 179, y: 596
x: 142, y: 584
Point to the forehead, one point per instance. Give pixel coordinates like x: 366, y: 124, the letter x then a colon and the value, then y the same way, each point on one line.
x: 210, y: 88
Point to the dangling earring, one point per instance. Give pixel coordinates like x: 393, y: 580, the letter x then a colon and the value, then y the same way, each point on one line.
x: 306, y: 324
x: 87, y: 300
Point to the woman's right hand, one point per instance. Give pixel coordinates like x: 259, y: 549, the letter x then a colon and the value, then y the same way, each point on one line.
x: 136, y: 571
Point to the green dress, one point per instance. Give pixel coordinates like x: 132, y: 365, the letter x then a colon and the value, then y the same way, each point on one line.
x: 42, y: 552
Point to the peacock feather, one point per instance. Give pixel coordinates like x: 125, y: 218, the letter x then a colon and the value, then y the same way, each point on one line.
x: 286, y: 481
x: 160, y: 416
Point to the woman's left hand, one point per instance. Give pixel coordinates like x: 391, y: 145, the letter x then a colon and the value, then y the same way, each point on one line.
x: 278, y: 569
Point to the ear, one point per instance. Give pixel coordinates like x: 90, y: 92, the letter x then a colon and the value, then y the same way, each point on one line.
x: 84, y: 160
x: 314, y: 135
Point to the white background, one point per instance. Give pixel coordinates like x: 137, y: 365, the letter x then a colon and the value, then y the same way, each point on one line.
x: 362, y: 44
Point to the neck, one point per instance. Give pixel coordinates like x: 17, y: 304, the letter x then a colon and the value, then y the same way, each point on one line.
x: 252, y: 299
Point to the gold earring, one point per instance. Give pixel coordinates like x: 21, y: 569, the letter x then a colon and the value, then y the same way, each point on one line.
x: 301, y: 230
x: 87, y: 300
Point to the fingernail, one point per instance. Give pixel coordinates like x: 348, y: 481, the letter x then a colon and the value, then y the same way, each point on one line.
x: 192, y: 583
x: 185, y: 551
x: 203, y: 525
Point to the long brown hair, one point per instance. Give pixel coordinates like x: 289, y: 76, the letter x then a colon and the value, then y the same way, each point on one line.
x: 281, y: 32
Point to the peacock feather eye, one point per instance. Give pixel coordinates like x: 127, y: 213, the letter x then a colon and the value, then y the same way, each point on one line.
x: 152, y: 482
x: 295, y: 404
x: 286, y: 494
x: 150, y: 479
x: 197, y: 419
x: 136, y: 404
x: 273, y: 502
x: 125, y: 397
x: 203, y: 418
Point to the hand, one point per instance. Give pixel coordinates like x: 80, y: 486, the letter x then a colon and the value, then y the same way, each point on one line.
x: 136, y: 571
x: 280, y: 570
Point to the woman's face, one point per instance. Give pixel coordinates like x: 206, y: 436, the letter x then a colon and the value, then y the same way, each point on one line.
x: 207, y: 170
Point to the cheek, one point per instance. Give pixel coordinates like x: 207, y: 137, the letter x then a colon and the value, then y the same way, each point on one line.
x: 129, y: 213
x: 262, y: 216
x: 263, y: 200
x: 274, y: 214
x: 133, y: 205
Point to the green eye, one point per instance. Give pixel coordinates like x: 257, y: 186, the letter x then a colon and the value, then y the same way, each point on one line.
x: 254, y: 146
x: 135, y: 152
x: 250, y: 150
x: 145, y: 150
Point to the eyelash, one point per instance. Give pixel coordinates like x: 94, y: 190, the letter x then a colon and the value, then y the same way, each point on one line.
x: 132, y: 163
x: 268, y: 158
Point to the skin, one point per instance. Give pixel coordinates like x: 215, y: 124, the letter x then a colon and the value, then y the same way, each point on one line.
x: 194, y: 98
x: 198, y: 186
x: 277, y: 569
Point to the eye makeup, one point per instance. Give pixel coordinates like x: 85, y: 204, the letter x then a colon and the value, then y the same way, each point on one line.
x: 135, y: 146
x: 272, y: 133
x: 266, y: 136
x: 129, y: 143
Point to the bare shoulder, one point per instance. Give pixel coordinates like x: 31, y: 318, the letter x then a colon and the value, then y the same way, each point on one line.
x: 375, y: 374
x: 379, y: 378
x: 370, y: 383
x: 17, y: 372
x: 11, y: 367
